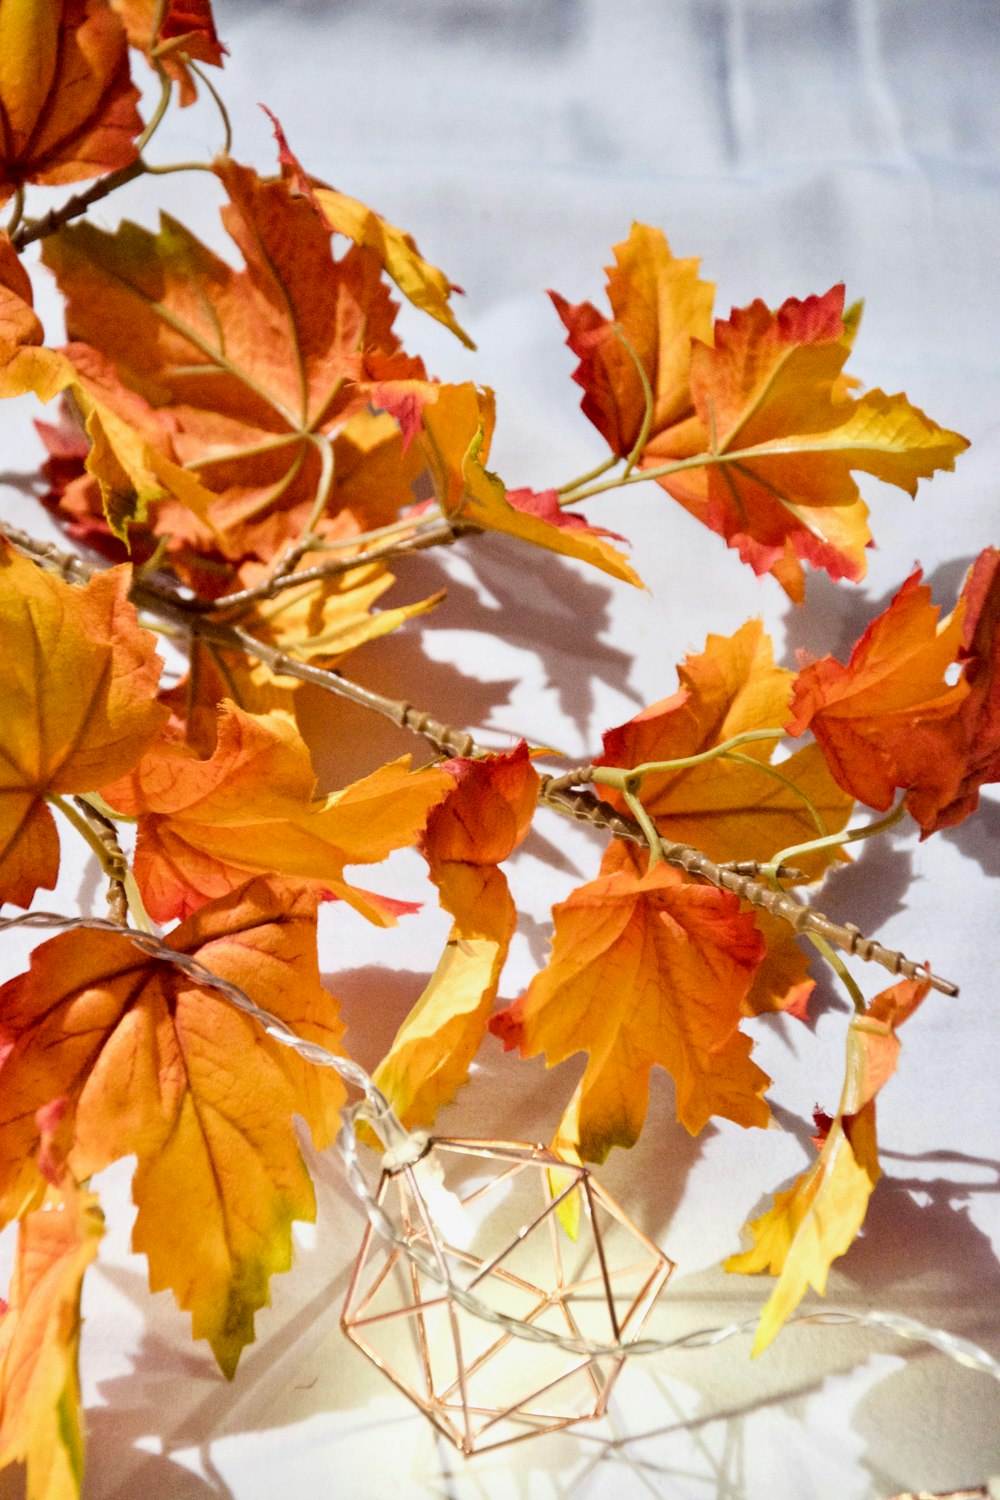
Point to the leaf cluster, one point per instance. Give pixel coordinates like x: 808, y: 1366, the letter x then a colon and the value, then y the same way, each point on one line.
x: 243, y: 459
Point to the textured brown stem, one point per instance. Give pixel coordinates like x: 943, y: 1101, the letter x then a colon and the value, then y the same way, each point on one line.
x: 585, y: 807
x: 108, y: 835
x: 573, y: 803
x: 38, y: 229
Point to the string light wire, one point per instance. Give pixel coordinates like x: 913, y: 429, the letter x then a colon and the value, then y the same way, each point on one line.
x: 404, y: 1147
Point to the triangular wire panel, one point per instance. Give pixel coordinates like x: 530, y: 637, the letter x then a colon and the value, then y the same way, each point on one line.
x: 568, y: 1397
x: 516, y: 1429
x: 528, y: 1225
x: 515, y: 1368
x: 507, y: 1295
x: 416, y: 1347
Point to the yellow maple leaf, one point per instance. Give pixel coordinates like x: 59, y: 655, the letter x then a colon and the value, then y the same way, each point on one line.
x: 39, y: 1343
x: 817, y: 1218
x: 153, y: 1063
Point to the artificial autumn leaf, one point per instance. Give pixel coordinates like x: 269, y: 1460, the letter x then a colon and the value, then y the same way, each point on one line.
x: 458, y: 426
x: 204, y: 825
x: 781, y: 981
x: 968, y: 741
x: 39, y: 1343
x: 480, y: 823
x: 78, y: 685
x: 879, y: 719
x: 124, y: 435
x: 782, y: 437
x: 817, y: 1218
x: 251, y: 372
x: 659, y: 304
x: 67, y: 102
x: 155, y: 1064
x: 186, y: 32
x: 319, y: 622
x: 645, y: 969
x: 730, y: 809
x: 420, y: 282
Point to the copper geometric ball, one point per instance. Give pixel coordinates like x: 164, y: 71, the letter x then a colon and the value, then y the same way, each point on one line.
x: 534, y: 1238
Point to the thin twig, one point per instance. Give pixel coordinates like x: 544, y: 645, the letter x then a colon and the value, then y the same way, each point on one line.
x: 441, y: 533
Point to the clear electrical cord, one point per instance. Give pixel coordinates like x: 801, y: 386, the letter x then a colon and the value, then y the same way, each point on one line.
x: 403, y: 1147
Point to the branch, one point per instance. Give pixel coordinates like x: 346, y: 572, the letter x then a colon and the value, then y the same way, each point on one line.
x: 585, y: 807
x: 440, y: 533
x: 581, y: 805
x: 38, y: 229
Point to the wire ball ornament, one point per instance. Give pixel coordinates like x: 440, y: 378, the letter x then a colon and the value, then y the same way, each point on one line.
x: 537, y: 1239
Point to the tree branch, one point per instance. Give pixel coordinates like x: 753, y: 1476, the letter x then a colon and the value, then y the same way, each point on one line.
x: 574, y: 803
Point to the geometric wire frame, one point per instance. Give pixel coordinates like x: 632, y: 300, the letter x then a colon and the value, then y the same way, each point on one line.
x: 534, y: 1238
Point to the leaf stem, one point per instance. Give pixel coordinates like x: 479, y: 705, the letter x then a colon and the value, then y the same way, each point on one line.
x: 17, y: 211
x: 227, y: 124
x: 647, y: 393
x: 591, y: 474
x: 645, y: 822
x: 617, y: 776
x: 832, y: 841
x: 156, y: 118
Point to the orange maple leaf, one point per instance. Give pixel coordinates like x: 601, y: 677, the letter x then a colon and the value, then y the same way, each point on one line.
x: 817, y: 1218
x: 644, y: 969
x: 731, y: 809
x: 659, y: 304
x: 78, y: 683
x: 153, y: 1063
x: 479, y: 824
x: 124, y: 437
x: 39, y: 1343
x: 204, y: 825
x: 879, y: 720
x: 420, y: 282
x: 782, y: 436
x: 967, y: 754
x: 458, y: 426
x: 67, y: 102
x: 186, y: 32
x: 781, y: 981
x: 251, y: 372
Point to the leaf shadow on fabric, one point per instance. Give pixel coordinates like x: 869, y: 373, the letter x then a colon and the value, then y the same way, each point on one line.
x: 534, y: 600
x: 373, y: 1002
x: 979, y: 836
x: 921, y: 1255
x: 868, y: 891
x: 347, y: 741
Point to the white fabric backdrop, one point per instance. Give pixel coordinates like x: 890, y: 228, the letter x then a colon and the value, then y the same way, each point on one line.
x: 792, y: 145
